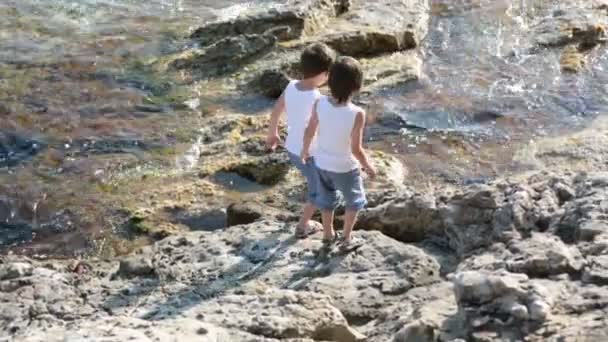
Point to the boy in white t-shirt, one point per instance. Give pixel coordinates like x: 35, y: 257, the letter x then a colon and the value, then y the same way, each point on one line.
x: 339, y: 155
x: 297, y: 100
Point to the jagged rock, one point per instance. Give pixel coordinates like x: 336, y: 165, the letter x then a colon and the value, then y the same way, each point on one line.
x: 268, y: 170
x: 244, y: 213
x: 481, y: 294
x: 383, y: 267
x: 378, y: 27
x: 270, y: 83
x: 410, y: 218
x: 418, y: 331
x: 135, y: 266
x: 15, y: 270
x: 299, y: 19
x: 423, y: 312
x: 597, y: 270
x: 583, y: 218
x: 543, y: 255
x: 572, y: 60
x: 226, y: 54
x: 574, y: 25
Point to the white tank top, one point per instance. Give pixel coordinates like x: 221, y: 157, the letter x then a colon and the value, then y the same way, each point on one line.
x: 333, y: 151
x: 298, y: 105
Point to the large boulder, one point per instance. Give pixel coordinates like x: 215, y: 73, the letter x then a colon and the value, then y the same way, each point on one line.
x: 371, y: 28
x: 224, y: 55
x: 483, y: 295
x: 579, y: 25
x: 298, y: 18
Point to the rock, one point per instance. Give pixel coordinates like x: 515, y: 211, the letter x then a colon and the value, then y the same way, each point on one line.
x: 500, y: 293
x: 299, y: 19
x: 564, y: 192
x: 378, y: 27
x: 410, y: 218
x: 597, y: 270
x: 361, y: 282
x: 206, y: 219
x: 270, y: 83
x: 543, y: 255
x: 135, y: 266
x: 572, y: 60
x: 268, y: 170
x: 582, y: 219
x: 539, y: 310
x: 225, y: 55
x: 417, y: 332
x: 581, y: 24
x: 477, y: 288
x: 15, y: 270
x: 588, y: 230
x: 423, y: 312
x: 244, y: 213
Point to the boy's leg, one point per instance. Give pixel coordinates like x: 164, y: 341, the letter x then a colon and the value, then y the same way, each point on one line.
x: 327, y: 216
x: 307, y: 214
x: 326, y: 199
x: 351, y: 186
x: 309, y: 172
x: 350, y: 218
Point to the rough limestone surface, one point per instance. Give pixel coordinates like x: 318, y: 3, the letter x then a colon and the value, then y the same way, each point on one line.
x: 376, y: 27
x: 299, y: 18
x: 569, y: 206
x: 517, y: 269
x: 384, y: 34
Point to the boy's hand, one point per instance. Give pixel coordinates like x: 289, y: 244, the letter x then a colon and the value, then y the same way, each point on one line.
x: 305, y: 155
x: 272, y: 141
x: 371, y: 172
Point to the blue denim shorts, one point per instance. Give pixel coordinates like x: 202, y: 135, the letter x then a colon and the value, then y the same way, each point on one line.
x: 309, y: 172
x: 349, y: 184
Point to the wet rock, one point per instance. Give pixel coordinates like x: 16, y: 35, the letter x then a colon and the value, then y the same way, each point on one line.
x: 226, y: 54
x: 270, y: 83
x: 299, y: 19
x: 373, y: 28
x: 210, y: 220
x: 244, y: 213
x: 15, y: 149
x: 268, y: 170
x: 579, y: 25
x: 572, y: 60
x: 15, y: 233
x: 135, y: 266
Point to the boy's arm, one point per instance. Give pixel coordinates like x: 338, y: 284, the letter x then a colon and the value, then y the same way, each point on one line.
x: 357, y: 145
x: 310, y: 132
x: 272, y: 138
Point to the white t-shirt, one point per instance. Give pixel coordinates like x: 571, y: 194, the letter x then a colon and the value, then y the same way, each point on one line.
x: 333, y: 151
x: 298, y: 105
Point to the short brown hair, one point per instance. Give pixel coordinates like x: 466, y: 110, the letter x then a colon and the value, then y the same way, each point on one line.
x: 316, y: 59
x: 345, y: 78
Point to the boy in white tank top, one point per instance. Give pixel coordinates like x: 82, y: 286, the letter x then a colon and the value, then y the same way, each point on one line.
x: 339, y: 155
x: 297, y: 100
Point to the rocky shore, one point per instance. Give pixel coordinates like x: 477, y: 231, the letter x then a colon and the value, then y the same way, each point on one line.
x: 516, y: 257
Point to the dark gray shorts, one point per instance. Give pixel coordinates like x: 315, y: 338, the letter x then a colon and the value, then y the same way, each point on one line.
x: 349, y: 184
